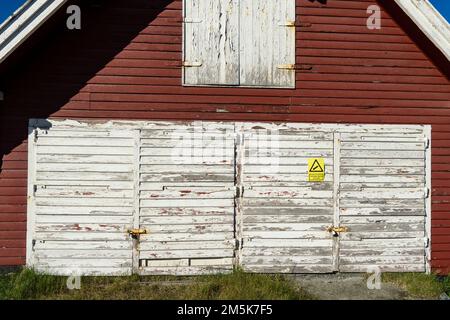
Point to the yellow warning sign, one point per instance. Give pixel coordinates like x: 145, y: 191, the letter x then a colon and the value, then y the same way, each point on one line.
x: 316, y: 169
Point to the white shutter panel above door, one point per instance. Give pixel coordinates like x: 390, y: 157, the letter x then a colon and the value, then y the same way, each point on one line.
x: 211, y: 52
x: 267, y: 43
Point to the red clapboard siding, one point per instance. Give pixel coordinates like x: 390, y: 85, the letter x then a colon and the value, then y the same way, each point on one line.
x: 130, y: 68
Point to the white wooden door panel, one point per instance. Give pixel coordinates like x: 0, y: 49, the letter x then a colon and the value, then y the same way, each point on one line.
x: 383, y: 195
x: 189, y: 212
x: 283, y: 217
x: 83, y: 202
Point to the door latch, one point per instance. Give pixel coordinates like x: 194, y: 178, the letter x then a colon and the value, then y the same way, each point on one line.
x: 135, y: 233
x: 337, y: 230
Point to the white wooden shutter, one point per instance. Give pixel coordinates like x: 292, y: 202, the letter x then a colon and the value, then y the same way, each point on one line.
x: 267, y: 43
x: 82, y: 196
x: 211, y: 42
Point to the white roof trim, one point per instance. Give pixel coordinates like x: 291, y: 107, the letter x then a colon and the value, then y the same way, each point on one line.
x: 430, y: 22
x: 28, y: 18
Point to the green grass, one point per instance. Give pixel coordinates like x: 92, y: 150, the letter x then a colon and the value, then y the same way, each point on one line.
x: 419, y: 285
x: 28, y: 284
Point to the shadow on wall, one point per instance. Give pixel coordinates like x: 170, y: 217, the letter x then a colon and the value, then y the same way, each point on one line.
x: 51, y: 69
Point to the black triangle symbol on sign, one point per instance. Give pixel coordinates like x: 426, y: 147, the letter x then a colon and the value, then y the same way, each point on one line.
x: 316, y: 167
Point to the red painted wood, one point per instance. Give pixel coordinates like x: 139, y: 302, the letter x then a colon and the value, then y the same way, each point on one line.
x: 125, y: 63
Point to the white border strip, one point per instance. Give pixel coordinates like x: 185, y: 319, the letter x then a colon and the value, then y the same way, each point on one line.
x: 430, y: 22
x: 24, y: 22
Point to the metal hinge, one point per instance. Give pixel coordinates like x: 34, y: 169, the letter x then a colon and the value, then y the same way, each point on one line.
x: 426, y: 193
x: 286, y: 66
x: 426, y: 242
x: 427, y: 142
x: 289, y: 24
x: 187, y: 20
x: 192, y: 64
x: 35, y: 135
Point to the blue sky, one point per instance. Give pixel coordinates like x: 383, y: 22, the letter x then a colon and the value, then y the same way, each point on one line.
x: 8, y: 6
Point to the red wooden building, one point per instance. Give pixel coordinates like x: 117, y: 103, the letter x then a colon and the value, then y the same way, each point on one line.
x: 136, y: 60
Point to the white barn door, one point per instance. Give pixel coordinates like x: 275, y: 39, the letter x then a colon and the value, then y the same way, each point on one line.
x: 283, y: 217
x: 187, y: 198
x: 81, y: 199
x: 384, y: 197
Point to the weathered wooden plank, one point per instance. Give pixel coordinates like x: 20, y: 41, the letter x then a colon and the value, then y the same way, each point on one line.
x: 186, y: 212
x: 84, y: 176
x: 287, y: 251
x: 64, y: 201
x: 261, y: 202
x: 179, y: 236
x: 382, y: 260
x: 285, y: 211
x: 311, y: 268
x: 156, y: 246
x: 382, y: 203
x: 85, y: 150
x: 84, y: 210
x: 385, y: 227
x: 354, y: 170
x: 187, y: 177
x: 391, y: 251
x: 82, y: 236
x: 186, y: 203
x: 288, y: 234
x: 188, y: 228
x: 80, y: 141
x: 383, y: 178
x: 383, y: 220
x: 279, y: 227
x: 85, y: 159
x: 189, y: 159
x: 187, y: 220
x: 188, y: 194
x: 186, y: 271
x: 382, y: 235
x: 85, y: 263
x: 382, y: 211
x: 84, y: 219
x: 383, y: 243
x: 83, y: 133
x: 266, y: 219
x: 265, y: 175
x: 82, y: 227
x: 286, y: 243
x: 84, y: 245
x: 382, y: 154
x: 383, y: 145
x: 285, y: 260
x: 367, y: 162
x: 409, y: 267
x: 287, y: 193
x: 388, y: 193
x: 44, y: 254
x: 85, y: 192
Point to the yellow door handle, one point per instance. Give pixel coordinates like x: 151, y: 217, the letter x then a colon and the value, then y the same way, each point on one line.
x: 337, y: 230
x: 136, y: 232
